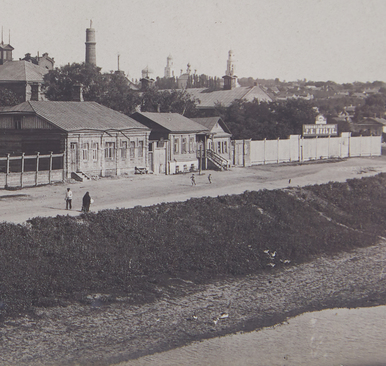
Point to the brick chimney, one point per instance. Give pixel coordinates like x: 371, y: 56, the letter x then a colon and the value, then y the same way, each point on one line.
x: 77, y: 93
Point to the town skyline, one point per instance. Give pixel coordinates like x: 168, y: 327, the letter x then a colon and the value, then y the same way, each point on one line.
x: 341, y: 41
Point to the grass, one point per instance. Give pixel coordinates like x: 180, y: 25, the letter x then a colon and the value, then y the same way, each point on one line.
x: 50, y: 261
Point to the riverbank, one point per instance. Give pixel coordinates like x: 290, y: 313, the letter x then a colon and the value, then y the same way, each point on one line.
x: 104, y: 334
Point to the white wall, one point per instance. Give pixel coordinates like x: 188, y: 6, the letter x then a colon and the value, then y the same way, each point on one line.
x: 301, y: 149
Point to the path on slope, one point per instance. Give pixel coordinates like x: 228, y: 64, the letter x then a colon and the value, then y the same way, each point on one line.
x: 145, y: 190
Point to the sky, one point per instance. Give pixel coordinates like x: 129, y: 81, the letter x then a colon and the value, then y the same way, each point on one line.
x: 319, y: 40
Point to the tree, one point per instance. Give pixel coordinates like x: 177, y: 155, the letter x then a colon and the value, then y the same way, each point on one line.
x: 271, y: 120
x: 58, y: 83
x: 109, y: 89
x: 174, y: 101
x: 8, y: 98
x: 374, y: 106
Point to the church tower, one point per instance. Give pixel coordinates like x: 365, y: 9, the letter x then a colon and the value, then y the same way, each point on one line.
x: 90, y: 45
x: 230, y: 79
x: 169, y: 67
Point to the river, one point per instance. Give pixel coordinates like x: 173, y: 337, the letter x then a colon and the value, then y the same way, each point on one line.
x: 349, y: 337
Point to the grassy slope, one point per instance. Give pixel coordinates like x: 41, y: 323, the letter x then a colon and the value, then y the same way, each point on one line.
x: 125, y: 251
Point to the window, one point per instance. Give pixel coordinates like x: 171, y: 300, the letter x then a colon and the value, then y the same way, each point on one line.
x: 94, y: 151
x: 17, y: 121
x: 132, y: 149
x: 176, y: 146
x: 123, y: 149
x: 183, y: 147
x: 225, y: 147
x: 109, y: 150
x: 191, y: 144
x: 219, y: 147
x: 85, y: 147
x: 140, y: 149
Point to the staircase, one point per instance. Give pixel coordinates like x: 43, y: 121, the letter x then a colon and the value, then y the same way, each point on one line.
x: 80, y: 176
x: 217, y: 160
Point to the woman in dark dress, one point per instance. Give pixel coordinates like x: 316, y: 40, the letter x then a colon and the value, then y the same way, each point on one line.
x: 86, y: 202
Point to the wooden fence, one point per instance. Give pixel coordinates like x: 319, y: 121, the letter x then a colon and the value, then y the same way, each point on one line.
x: 31, y: 170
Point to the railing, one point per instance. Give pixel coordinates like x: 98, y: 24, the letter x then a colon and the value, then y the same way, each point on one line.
x: 217, y: 160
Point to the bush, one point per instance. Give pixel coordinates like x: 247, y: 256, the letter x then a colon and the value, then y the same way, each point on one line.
x: 51, y: 260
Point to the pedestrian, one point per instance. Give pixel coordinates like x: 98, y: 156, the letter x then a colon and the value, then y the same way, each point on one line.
x: 68, y: 199
x: 86, y: 202
x: 193, y: 179
x: 210, y: 178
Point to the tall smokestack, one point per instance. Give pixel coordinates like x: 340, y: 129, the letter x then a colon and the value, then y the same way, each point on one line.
x: 90, y: 45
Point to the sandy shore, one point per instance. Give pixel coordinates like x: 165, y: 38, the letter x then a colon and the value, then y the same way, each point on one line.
x: 103, y: 333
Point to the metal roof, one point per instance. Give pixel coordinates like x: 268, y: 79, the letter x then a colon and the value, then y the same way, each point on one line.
x: 210, y: 122
x: 208, y: 99
x: 76, y: 116
x: 21, y: 71
x: 173, y: 122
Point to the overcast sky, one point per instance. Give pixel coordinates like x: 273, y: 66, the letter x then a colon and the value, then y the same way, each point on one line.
x: 339, y: 40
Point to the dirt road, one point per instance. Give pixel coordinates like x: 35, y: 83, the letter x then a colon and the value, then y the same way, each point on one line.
x: 18, y: 206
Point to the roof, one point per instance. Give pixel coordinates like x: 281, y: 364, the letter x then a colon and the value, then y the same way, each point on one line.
x: 173, y: 122
x: 76, y: 116
x: 208, y: 99
x: 381, y: 121
x: 210, y: 123
x: 21, y: 71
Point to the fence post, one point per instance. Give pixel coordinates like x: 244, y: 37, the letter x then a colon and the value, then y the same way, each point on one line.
x: 22, y: 170
x: 360, y: 145
x: 37, y: 169
x: 316, y: 147
x: 265, y: 141
x: 278, y: 149
x: 50, y: 171
x: 7, y: 172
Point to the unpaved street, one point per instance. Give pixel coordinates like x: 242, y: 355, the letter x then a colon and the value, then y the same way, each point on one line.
x: 20, y: 205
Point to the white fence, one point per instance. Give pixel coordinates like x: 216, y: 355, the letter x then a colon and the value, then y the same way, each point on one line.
x: 299, y: 149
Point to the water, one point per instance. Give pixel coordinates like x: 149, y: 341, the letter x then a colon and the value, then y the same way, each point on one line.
x: 349, y: 337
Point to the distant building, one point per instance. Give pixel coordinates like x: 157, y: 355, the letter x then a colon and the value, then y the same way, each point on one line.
x: 24, y: 79
x: 146, y: 81
x: 169, y: 73
x: 230, y: 79
x: 183, y: 80
x: 5, y: 52
x: 43, y: 61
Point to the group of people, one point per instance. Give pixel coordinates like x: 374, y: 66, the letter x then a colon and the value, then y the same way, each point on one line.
x: 193, y: 179
x: 86, y: 201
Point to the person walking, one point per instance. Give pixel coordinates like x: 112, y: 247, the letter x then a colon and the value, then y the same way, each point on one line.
x: 68, y: 199
x: 86, y: 202
x: 193, y: 179
x: 210, y: 178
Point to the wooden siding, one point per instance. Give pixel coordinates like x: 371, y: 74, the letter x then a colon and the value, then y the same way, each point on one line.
x: 7, y: 122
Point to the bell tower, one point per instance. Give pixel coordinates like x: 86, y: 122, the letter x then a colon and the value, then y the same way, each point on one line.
x: 230, y: 79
